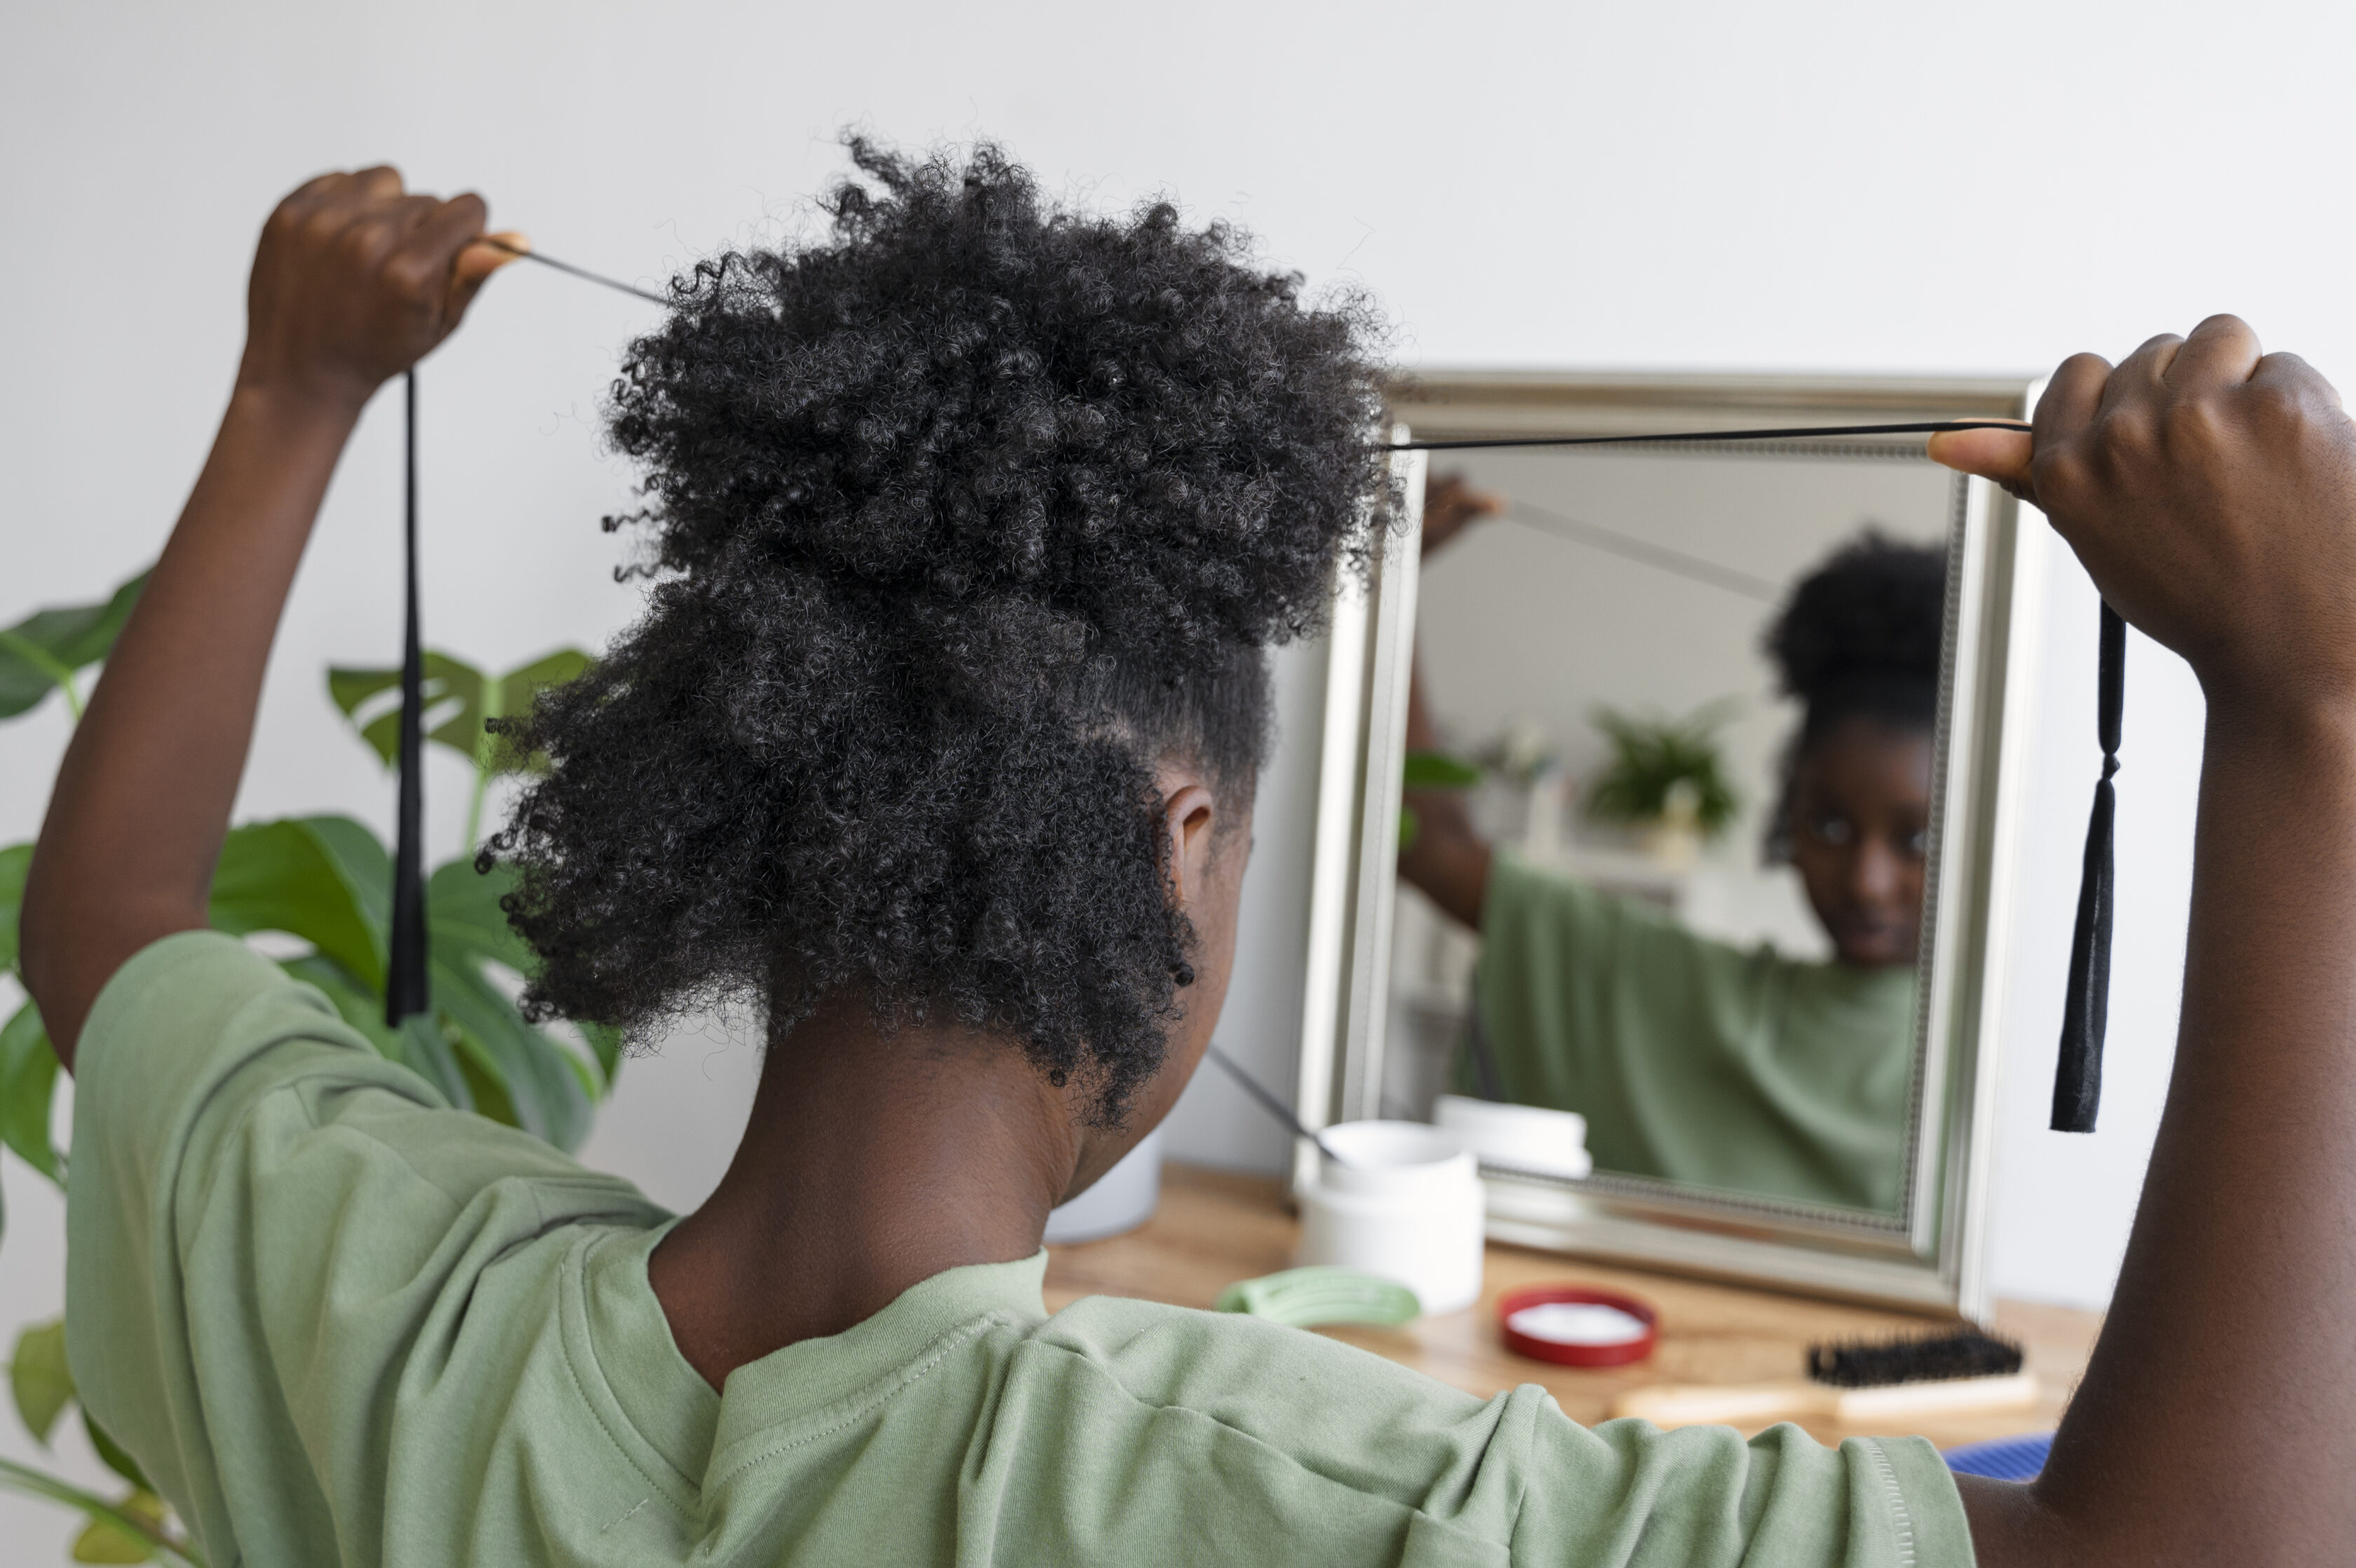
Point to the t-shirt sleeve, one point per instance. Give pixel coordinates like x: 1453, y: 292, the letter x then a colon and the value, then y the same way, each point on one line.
x: 265, y: 1218
x: 1259, y: 1428
x: 1566, y: 972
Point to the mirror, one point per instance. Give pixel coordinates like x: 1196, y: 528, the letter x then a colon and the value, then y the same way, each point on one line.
x: 1665, y: 818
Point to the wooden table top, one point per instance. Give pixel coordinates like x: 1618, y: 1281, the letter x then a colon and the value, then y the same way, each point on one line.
x: 1215, y: 1228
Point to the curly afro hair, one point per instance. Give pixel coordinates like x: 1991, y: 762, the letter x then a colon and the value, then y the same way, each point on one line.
x: 1863, y: 634
x: 961, y: 517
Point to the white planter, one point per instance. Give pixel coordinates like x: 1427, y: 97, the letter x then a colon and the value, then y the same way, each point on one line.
x: 1123, y: 1199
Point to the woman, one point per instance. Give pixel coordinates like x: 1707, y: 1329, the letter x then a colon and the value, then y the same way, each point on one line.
x: 970, y: 521
x: 1693, y: 1061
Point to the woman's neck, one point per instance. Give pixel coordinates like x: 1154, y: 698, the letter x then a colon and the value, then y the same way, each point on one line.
x: 872, y: 1162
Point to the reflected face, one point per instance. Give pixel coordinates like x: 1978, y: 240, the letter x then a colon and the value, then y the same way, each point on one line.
x: 1861, y: 820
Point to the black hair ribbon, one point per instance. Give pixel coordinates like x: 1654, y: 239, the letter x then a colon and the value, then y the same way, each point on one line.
x: 2086, y: 1005
x: 2077, y: 1082
x: 405, y: 991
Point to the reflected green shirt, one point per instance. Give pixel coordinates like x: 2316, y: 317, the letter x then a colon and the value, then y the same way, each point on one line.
x: 1693, y: 1061
x: 339, y: 1322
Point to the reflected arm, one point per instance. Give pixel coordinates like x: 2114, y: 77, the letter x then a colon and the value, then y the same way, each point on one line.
x: 1449, y: 860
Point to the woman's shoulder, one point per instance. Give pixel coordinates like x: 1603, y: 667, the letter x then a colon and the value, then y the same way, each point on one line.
x: 1292, y: 1441
x: 1275, y: 1409
x: 1231, y: 1361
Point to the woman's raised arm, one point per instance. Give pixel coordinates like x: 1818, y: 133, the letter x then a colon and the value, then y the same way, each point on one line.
x: 2210, y: 489
x: 353, y: 281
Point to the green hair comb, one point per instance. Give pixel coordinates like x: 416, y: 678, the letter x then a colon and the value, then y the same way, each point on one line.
x: 1304, y: 1298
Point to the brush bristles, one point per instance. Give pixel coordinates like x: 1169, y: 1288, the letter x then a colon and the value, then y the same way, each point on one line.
x: 1869, y: 1364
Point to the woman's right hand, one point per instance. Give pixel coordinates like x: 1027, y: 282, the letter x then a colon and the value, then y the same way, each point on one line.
x: 2209, y: 489
x: 356, y: 280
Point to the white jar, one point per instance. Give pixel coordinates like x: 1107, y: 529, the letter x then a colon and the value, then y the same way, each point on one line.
x: 1404, y: 1203
x: 1519, y: 1137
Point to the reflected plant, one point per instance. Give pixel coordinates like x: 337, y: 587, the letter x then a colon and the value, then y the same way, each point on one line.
x: 1665, y: 770
x: 325, y: 882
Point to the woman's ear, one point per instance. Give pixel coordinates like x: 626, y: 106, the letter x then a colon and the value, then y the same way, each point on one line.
x: 1189, y: 823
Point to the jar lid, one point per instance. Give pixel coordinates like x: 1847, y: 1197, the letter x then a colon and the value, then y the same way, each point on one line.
x: 1576, y: 1325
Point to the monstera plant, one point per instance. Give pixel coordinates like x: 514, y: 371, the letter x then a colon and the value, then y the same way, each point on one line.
x: 321, y: 887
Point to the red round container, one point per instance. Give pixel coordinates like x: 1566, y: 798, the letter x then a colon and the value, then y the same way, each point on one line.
x: 1616, y: 1354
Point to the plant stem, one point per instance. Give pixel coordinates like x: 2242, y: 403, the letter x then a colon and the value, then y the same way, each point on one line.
x: 34, y: 1483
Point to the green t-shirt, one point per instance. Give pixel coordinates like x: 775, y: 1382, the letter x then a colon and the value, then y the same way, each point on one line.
x: 339, y: 1322
x: 1693, y: 1061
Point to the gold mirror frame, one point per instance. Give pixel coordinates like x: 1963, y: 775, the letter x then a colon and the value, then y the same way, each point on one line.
x: 1932, y: 1254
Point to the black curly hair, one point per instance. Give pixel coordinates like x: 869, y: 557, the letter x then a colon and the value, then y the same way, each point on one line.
x: 1861, y: 638
x: 1861, y: 635
x: 963, y: 516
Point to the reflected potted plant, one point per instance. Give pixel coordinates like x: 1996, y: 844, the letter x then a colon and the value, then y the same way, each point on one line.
x: 1666, y: 778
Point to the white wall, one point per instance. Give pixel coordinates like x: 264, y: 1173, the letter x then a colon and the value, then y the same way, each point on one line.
x: 1823, y: 187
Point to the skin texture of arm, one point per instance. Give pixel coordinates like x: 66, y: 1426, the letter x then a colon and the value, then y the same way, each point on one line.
x: 353, y: 281
x: 2211, y: 490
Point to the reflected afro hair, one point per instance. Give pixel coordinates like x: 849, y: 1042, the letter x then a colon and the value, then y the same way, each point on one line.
x: 1862, y: 633
x: 960, y: 517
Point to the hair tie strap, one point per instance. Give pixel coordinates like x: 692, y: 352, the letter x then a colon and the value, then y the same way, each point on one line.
x: 406, y: 989
x: 2078, y: 1075
x: 1678, y: 438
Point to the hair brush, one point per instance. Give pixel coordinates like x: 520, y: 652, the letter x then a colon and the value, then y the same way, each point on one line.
x: 1855, y: 1383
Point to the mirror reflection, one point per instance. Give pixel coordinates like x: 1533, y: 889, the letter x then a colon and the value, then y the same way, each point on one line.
x: 1671, y: 751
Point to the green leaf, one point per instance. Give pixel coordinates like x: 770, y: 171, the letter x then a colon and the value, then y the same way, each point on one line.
x: 547, y: 1094
x: 417, y: 1045
x: 354, y: 1002
x: 453, y: 704
x: 1652, y: 758
x: 327, y: 880
x: 515, y: 690
x: 1410, y: 825
x: 312, y: 878
x: 606, y: 1043
x: 122, y: 1463
x: 364, y: 862
x: 28, y: 1084
x: 462, y: 905
x: 1438, y: 770
x: 109, y: 1539
x: 352, y: 690
x: 38, y: 1378
x: 103, y: 1540
x: 14, y: 862
x: 44, y: 650
x: 425, y: 1049
x: 542, y: 1078
x: 458, y: 698
x: 490, y: 1096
